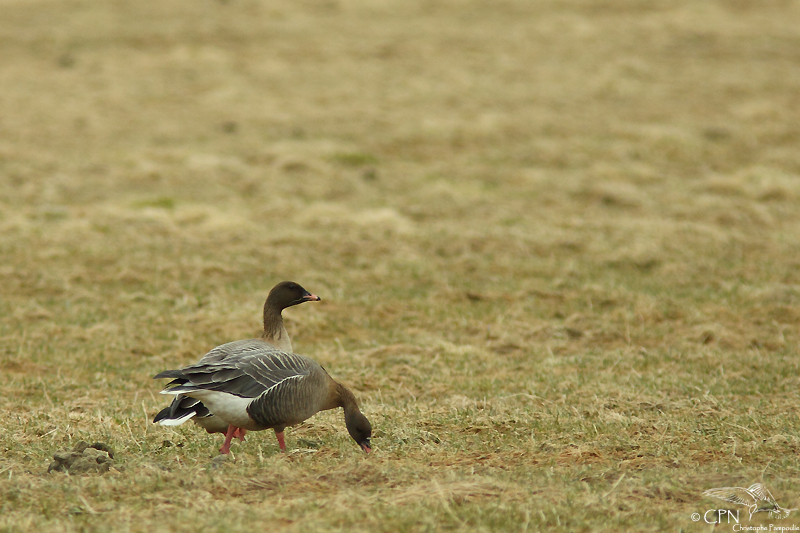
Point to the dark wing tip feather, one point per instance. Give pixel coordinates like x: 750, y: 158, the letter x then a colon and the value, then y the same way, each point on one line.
x: 175, y: 374
x: 162, y: 414
x: 180, y: 407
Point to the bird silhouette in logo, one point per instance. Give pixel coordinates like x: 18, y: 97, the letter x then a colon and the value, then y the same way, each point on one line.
x: 756, y: 498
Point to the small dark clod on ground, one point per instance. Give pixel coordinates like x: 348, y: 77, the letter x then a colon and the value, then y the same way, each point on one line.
x: 83, y: 459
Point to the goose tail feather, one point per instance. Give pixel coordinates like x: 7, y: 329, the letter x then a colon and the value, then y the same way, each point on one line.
x: 180, y: 410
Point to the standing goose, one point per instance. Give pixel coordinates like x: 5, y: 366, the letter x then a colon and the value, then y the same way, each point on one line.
x: 283, y: 295
x: 256, y: 386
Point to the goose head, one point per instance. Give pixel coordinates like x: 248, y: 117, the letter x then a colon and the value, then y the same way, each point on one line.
x: 288, y: 293
x: 359, y: 428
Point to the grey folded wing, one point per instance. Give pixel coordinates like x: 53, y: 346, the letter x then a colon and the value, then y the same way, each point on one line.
x: 248, y: 371
x: 286, y: 388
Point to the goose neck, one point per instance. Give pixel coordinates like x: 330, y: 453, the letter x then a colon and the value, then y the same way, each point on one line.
x: 345, y: 398
x: 274, y: 331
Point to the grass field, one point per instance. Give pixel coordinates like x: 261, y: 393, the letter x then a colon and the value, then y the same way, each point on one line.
x: 557, y: 244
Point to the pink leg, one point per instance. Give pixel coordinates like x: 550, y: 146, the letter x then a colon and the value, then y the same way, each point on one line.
x: 226, y: 446
x: 239, y: 433
x: 281, y: 442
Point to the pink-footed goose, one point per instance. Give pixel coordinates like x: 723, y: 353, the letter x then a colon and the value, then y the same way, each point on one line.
x: 183, y: 408
x: 258, y: 387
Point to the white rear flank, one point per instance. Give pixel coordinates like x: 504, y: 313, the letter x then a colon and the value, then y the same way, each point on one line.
x: 229, y: 407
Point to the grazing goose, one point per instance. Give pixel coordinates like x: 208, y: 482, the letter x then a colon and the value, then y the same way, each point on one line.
x: 256, y: 386
x: 283, y: 295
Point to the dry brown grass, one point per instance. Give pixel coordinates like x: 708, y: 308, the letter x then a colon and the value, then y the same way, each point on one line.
x: 556, y: 241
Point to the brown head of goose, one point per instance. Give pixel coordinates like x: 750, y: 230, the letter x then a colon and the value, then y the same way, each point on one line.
x: 257, y: 387
x: 284, y: 294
